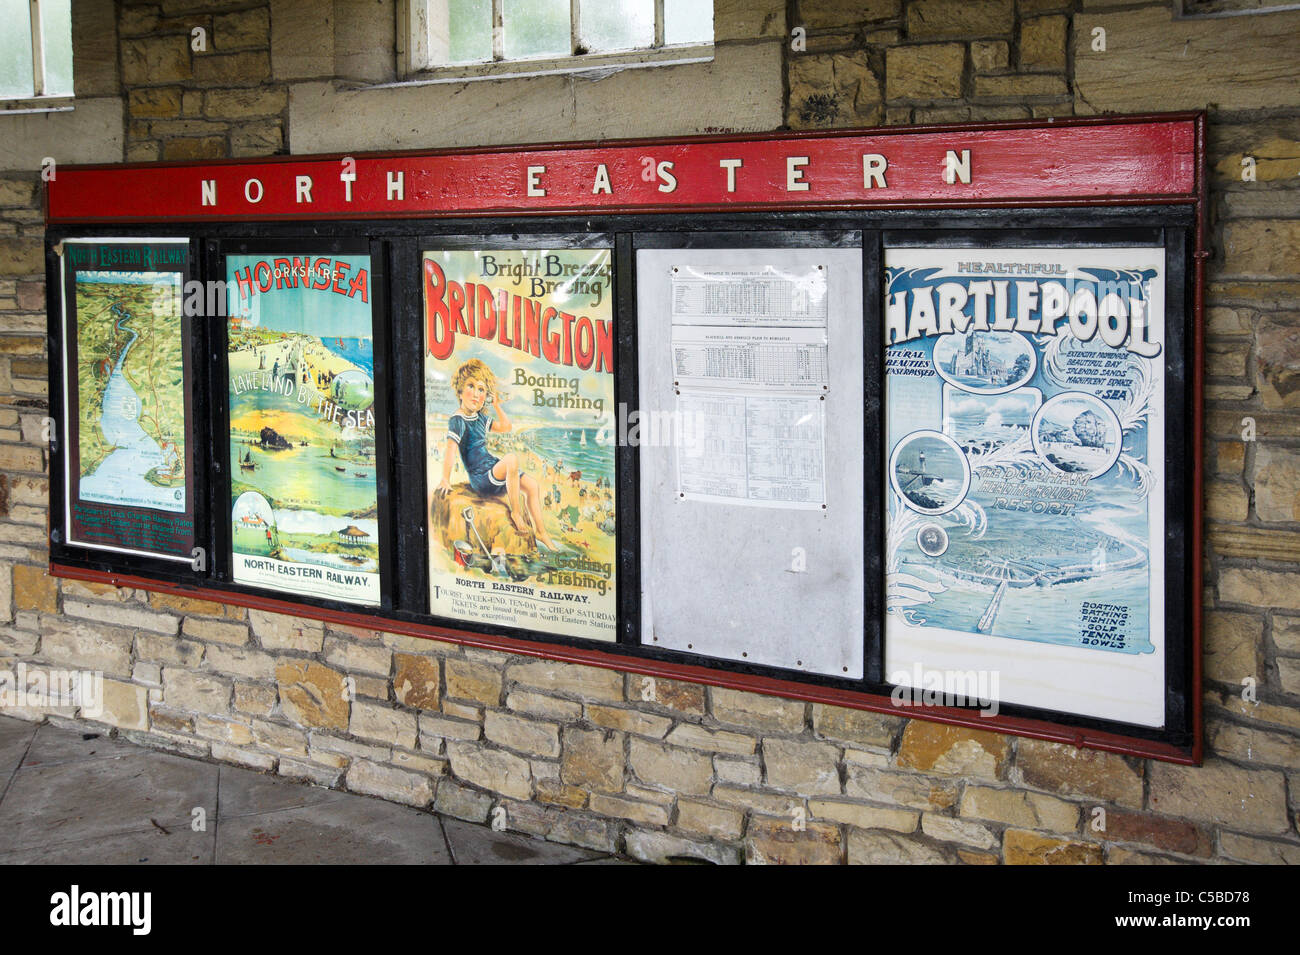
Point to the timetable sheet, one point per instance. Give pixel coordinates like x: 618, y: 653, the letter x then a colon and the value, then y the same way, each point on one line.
x: 750, y: 376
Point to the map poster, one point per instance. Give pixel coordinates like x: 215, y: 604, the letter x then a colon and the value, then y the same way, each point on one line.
x: 129, y: 479
x: 304, y: 502
x: 519, y: 406
x: 1025, y: 442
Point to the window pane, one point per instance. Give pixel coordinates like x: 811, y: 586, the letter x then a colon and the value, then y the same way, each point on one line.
x: 688, y: 21
x: 618, y: 25
x: 536, y: 28
x: 56, y: 31
x: 15, y: 49
x: 469, y: 32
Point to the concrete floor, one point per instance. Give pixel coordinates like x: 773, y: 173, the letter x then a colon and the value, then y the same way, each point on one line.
x: 70, y: 797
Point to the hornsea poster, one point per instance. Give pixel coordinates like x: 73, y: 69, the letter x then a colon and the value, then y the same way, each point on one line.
x: 1026, y: 470
x: 129, y: 478
x: 519, y: 405
x: 304, y: 509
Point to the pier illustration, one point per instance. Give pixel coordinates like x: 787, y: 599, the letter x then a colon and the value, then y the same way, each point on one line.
x: 990, y: 613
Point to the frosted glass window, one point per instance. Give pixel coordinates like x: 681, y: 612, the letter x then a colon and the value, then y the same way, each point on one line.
x: 687, y: 21
x: 535, y: 28
x: 15, y: 49
x: 471, y: 31
x: 617, y: 25
x: 56, y: 33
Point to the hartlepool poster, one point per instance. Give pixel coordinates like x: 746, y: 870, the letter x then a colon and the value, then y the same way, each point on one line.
x: 519, y: 405
x: 304, y: 507
x: 129, y: 464
x: 1025, y: 443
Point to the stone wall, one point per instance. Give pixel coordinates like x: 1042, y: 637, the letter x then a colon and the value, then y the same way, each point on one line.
x: 656, y: 768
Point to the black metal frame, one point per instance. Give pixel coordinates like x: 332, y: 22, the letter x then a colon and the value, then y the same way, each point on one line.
x: 216, y: 359
x: 199, y: 437
x: 396, y: 246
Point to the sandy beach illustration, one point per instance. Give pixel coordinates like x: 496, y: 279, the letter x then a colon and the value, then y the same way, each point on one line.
x: 302, y: 440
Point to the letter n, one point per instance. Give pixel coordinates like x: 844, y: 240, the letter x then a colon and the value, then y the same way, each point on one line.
x: 956, y: 170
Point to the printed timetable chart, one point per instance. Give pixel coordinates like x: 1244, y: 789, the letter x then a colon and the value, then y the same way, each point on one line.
x: 766, y: 296
x: 750, y: 377
x: 767, y: 358
x: 752, y: 449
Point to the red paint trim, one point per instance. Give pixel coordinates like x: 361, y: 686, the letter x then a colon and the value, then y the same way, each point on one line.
x: 1013, y: 164
x: 787, y: 689
x: 1198, y: 441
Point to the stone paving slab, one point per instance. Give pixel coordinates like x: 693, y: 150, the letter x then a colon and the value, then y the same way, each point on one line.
x: 89, y: 799
x: 356, y: 830
x: 481, y: 845
x: 245, y: 792
x: 74, y: 797
x: 176, y: 846
x: 15, y: 737
x: 56, y: 744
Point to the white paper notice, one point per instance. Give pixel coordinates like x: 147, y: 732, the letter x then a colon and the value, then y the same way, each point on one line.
x: 748, y: 297
x: 750, y: 373
x: 752, y: 449
x: 770, y: 358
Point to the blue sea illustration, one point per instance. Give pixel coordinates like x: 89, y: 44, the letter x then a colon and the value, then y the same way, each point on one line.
x: 359, y: 351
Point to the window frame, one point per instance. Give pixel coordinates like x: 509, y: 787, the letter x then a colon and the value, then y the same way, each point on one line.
x: 417, y: 60
x: 40, y: 101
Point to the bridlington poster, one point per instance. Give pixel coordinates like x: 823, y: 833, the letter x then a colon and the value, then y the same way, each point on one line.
x: 129, y: 478
x: 304, y: 508
x: 519, y: 405
x: 1026, y: 467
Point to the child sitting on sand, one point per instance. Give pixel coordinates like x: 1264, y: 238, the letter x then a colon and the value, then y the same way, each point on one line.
x: 488, y: 474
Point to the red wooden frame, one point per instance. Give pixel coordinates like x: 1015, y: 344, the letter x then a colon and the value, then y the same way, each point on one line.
x: 1098, y: 161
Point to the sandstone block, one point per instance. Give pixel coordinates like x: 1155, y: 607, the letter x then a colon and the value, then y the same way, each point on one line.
x: 1250, y: 800
x: 522, y: 735
x: 278, y: 632
x: 1025, y: 810
x: 312, y: 694
x: 931, y: 747
x: 874, y: 847
x: 801, y: 766
x: 383, y: 724
x: 1032, y: 848
x: 386, y: 782
x: 775, y: 841
x: 715, y: 822
x: 478, y: 682
x: 678, y: 770
x: 592, y: 759
x: 941, y: 19
x: 492, y: 769
x: 929, y: 72
x: 1070, y: 771
x: 417, y: 681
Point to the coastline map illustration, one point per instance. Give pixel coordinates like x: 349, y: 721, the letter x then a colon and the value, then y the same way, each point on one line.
x: 1022, y: 378
x: 129, y: 465
x: 131, y: 435
x: 304, y: 507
